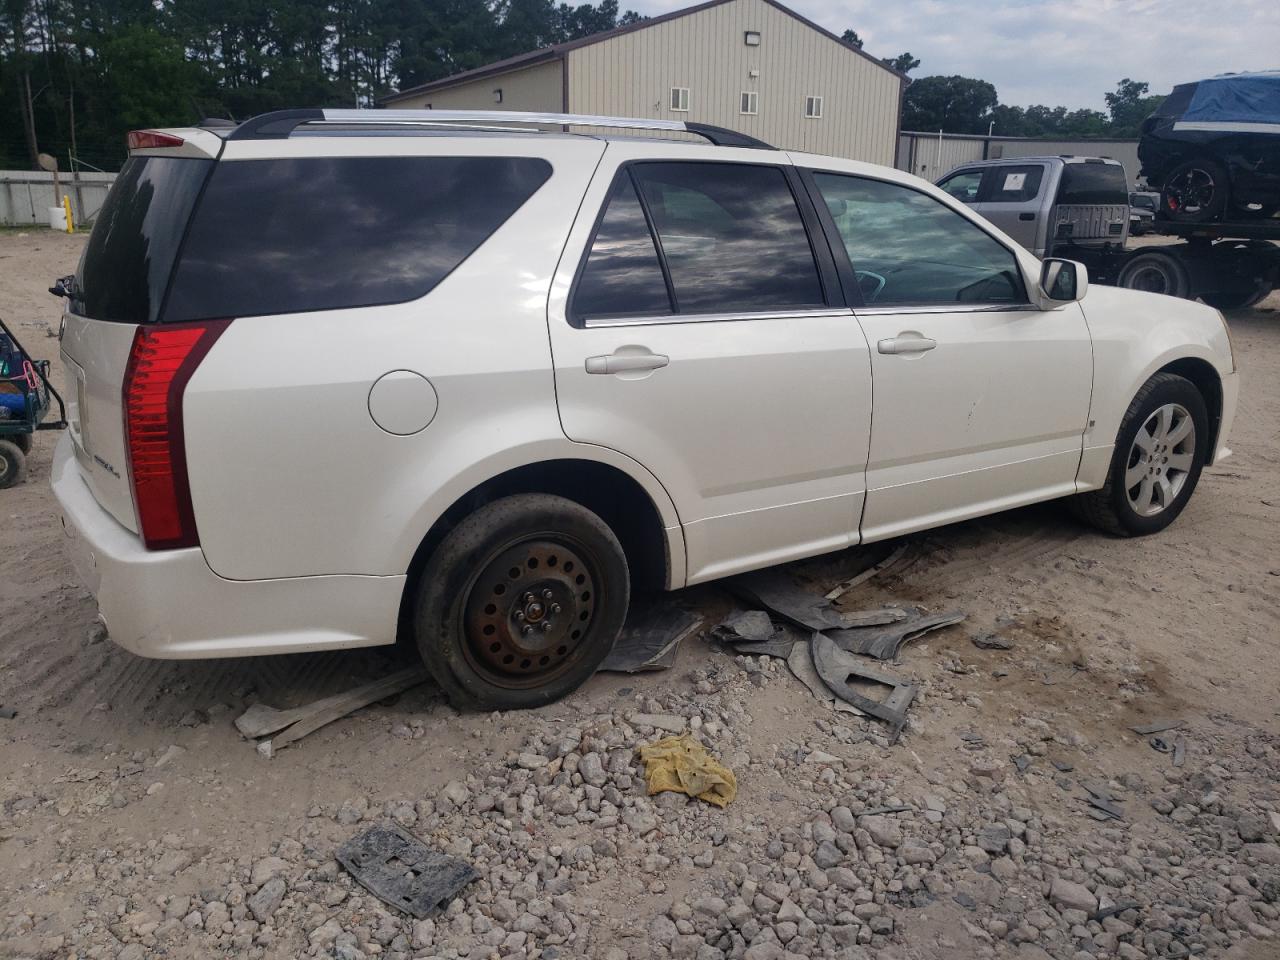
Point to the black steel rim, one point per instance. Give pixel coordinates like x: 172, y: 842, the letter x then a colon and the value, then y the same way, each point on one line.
x: 529, y: 613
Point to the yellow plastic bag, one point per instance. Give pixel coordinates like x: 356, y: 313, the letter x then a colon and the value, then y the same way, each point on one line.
x: 683, y: 765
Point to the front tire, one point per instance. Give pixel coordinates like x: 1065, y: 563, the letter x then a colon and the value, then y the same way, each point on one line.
x: 1160, y: 451
x: 521, y: 602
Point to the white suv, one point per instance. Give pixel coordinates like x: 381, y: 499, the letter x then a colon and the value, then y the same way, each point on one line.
x: 340, y: 376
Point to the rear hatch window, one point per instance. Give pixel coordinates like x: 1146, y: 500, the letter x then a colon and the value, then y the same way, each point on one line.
x: 290, y: 235
x: 1093, y: 183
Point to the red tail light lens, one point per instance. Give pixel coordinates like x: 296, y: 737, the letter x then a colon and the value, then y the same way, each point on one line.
x: 148, y: 139
x: 160, y: 366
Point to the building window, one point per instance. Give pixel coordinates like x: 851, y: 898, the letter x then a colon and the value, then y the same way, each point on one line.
x: 813, y: 108
x: 680, y: 99
x: 750, y: 102
x: 751, y: 38
x: 497, y: 95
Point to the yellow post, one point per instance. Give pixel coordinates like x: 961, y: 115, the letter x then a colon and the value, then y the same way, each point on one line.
x: 66, y: 205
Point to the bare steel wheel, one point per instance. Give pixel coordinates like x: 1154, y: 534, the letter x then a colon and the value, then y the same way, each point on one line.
x: 1162, y: 444
x: 528, y: 613
x: 1160, y: 460
x: 521, y: 602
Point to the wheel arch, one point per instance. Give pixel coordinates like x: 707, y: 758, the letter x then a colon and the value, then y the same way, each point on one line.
x: 1205, y: 378
x: 653, y: 546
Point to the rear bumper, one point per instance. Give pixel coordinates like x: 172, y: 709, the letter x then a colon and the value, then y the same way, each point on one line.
x: 169, y: 604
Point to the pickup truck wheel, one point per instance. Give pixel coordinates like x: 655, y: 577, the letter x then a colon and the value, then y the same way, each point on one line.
x: 13, y: 464
x: 1160, y: 450
x: 1195, y: 192
x: 521, y: 602
x: 1155, y: 273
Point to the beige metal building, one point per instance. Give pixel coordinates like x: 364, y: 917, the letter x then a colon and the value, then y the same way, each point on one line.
x: 749, y: 65
x: 931, y: 155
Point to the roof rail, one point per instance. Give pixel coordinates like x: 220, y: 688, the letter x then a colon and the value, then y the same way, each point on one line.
x: 279, y: 124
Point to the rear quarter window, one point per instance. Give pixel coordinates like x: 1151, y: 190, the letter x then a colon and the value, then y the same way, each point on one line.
x: 1093, y: 183
x: 325, y: 233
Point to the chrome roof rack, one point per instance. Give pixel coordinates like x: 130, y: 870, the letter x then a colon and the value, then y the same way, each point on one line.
x: 279, y: 124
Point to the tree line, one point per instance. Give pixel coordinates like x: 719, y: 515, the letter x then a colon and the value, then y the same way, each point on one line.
x: 75, y: 75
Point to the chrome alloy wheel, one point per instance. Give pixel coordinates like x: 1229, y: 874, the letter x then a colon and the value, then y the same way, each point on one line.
x: 1160, y: 459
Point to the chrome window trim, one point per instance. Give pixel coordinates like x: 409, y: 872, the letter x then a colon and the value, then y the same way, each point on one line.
x: 717, y: 317
x: 945, y: 308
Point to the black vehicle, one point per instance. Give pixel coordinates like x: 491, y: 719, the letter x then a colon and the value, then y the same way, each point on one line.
x: 1212, y: 149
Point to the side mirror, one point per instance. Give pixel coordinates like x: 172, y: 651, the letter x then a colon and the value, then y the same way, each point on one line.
x: 1063, y: 281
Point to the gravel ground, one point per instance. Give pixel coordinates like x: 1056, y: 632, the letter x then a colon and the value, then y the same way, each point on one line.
x: 135, y: 822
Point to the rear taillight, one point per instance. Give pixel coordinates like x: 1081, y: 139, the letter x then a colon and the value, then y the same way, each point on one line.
x: 161, y: 363
x: 149, y: 139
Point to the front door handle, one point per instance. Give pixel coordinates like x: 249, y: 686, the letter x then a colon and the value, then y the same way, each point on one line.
x: 626, y: 362
x: 913, y: 343
x: 1026, y: 216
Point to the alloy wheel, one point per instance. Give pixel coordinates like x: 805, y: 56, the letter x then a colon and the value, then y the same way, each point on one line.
x: 1160, y: 459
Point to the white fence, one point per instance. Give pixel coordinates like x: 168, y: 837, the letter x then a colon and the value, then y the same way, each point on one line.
x: 27, y: 195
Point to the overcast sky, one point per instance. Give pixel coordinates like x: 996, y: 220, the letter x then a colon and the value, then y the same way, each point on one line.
x: 1066, y: 52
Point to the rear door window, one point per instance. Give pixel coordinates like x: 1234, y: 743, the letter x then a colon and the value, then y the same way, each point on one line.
x: 325, y: 233
x: 731, y: 235
x: 126, y: 264
x: 622, y: 276
x: 1093, y: 183
x: 1014, y: 184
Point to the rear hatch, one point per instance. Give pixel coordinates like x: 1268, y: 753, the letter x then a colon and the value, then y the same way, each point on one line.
x: 120, y: 286
x: 1092, y: 203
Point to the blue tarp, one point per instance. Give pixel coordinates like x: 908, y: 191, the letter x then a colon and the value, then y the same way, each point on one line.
x: 1243, y: 98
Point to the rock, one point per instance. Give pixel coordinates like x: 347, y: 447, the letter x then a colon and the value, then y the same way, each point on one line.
x: 1066, y: 895
x: 591, y: 767
x: 352, y: 811
x: 267, y: 868
x: 1004, y: 869
x: 914, y: 853
x: 132, y: 951
x: 994, y: 838
x: 169, y: 756
x: 763, y: 951
x: 266, y: 901
x: 531, y: 761
x: 842, y: 819
x: 827, y: 855
x: 1251, y: 828
x: 788, y: 911
x: 171, y: 862
x: 662, y: 930
x: 884, y: 831
x: 659, y: 721
x: 456, y: 792
x: 424, y: 934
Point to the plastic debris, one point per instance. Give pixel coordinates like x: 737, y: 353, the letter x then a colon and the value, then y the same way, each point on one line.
x: 682, y: 764
x: 651, y: 638
x: 402, y: 871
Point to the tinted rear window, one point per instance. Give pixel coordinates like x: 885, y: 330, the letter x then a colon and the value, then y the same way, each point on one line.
x: 1093, y: 183
x: 324, y: 233
x: 127, y: 261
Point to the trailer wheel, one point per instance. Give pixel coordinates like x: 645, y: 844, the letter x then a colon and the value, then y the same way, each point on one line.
x: 1155, y: 273
x: 1195, y: 192
x: 1238, y: 298
x: 13, y: 464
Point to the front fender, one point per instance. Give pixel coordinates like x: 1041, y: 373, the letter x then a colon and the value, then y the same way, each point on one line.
x: 1135, y: 335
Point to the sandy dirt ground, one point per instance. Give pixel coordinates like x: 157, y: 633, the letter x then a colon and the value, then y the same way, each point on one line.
x: 114, y: 843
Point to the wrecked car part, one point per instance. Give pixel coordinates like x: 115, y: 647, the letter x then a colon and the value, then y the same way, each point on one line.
x: 402, y: 871
x: 750, y: 626
x: 873, y: 618
x: 1161, y: 745
x: 772, y: 648
x: 260, y: 720
x: 836, y: 668
x: 843, y: 588
x: 992, y: 641
x: 651, y: 638
x: 885, y: 642
x: 775, y: 591
x: 1158, y: 726
x: 800, y: 662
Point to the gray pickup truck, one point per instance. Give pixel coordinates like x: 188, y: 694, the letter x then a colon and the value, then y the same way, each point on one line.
x: 1048, y: 202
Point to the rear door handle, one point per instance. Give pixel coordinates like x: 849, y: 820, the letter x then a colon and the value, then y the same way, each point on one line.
x: 1026, y: 216
x: 626, y: 362
x: 906, y: 344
